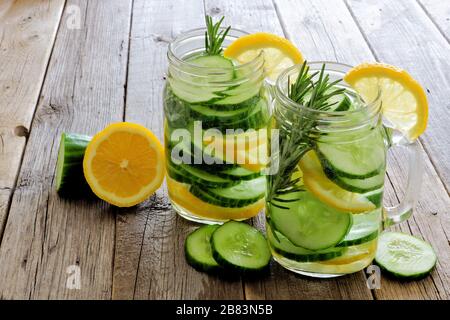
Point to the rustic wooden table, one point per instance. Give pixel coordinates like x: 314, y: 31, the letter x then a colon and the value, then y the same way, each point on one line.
x: 78, y: 65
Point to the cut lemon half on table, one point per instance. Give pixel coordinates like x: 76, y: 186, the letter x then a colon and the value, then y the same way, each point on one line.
x: 279, y: 53
x: 404, y: 101
x: 327, y: 191
x: 124, y: 164
x: 179, y: 193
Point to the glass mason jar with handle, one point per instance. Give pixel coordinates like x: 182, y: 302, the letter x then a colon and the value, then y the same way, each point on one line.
x: 215, y: 114
x: 325, y: 222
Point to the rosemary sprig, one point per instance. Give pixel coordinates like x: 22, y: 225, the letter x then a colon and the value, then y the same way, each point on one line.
x: 294, y: 139
x: 214, y: 38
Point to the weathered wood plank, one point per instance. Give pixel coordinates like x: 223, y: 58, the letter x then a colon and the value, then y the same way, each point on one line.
x: 402, y: 34
x: 27, y: 34
x: 45, y: 234
x: 283, y: 284
x: 439, y: 12
x: 149, y: 258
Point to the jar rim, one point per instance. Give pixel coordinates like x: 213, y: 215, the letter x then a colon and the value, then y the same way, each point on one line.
x: 373, y: 106
x: 199, y: 32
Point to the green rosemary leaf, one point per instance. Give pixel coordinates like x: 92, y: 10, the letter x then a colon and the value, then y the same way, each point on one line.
x: 214, y: 38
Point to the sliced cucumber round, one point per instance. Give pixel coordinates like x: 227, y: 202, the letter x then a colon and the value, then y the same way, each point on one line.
x: 216, y: 116
x: 190, y: 174
x: 70, y: 179
x: 404, y: 256
x: 309, y: 223
x: 240, y: 195
x: 241, y: 247
x: 364, y: 229
x: 360, y: 185
x: 198, y: 251
x: 238, y: 173
x: 287, y: 249
x: 356, y: 159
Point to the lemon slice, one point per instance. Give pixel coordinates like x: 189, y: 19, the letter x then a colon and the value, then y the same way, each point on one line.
x: 179, y: 193
x: 327, y: 191
x: 124, y: 164
x: 404, y: 101
x: 279, y: 53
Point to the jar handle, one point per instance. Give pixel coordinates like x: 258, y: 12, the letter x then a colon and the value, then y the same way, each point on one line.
x: 402, y: 211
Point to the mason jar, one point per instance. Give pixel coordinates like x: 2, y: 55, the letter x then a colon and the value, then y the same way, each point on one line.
x: 324, y: 207
x: 215, y: 118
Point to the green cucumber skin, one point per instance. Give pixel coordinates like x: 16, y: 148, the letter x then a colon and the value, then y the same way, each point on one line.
x: 401, y: 276
x: 222, y: 202
x: 312, y: 256
x: 333, y: 173
x: 308, y: 258
x: 193, y: 261
x: 181, y: 174
x: 71, y: 181
x: 359, y: 241
x: 230, y: 266
x: 351, y: 188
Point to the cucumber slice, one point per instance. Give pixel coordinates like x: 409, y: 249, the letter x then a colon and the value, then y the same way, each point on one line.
x: 198, y: 251
x: 201, y: 88
x: 240, y: 195
x: 376, y: 197
x: 238, y: 95
x: 217, y: 117
x: 189, y: 174
x: 404, y: 256
x: 287, y: 249
x: 344, y: 104
x: 360, y: 185
x: 360, y: 159
x: 191, y: 93
x: 364, y: 229
x: 241, y: 247
x: 308, y: 222
x: 70, y: 179
x: 215, y: 62
x: 239, y: 173
x: 235, y: 106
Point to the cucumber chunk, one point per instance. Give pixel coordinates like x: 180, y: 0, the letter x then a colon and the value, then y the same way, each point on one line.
x: 189, y: 174
x: 241, y: 247
x: 201, y: 88
x: 240, y: 195
x: 70, y: 179
x: 365, y: 228
x: 360, y: 159
x: 198, y: 251
x: 239, y: 173
x: 360, y: 185
x: 290, y: 251
x: 309, y: 223
x: 216, y: 116
x: 404, y: 256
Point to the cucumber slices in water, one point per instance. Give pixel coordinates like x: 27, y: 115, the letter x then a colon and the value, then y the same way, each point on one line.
x: 309, y: 223
x: 364, y: 229
x: 404, y: 256
x: 199, y: 89
x: 359, y: 159
x: 239, y: 195
x: 360, y: 185
x: 240, y: 247
x: 283, y: 246
x: 198, y: 249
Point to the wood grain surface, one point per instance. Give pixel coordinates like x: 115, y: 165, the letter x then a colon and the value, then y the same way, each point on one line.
x: 78, y: 65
